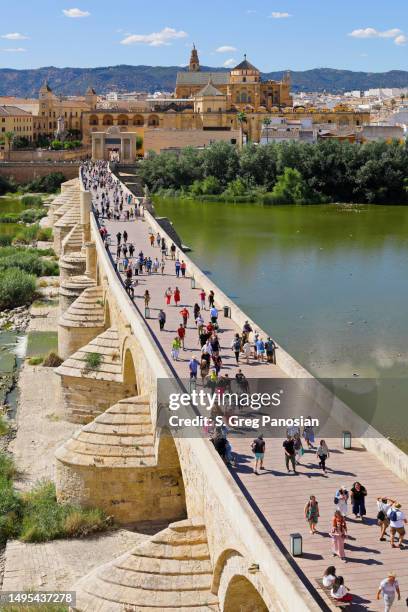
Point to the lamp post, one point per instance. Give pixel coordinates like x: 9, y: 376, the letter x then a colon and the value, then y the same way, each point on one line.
x: 193, y: 282
x: 296, y: 545
x: 346, y: 440
x: 147, y: 312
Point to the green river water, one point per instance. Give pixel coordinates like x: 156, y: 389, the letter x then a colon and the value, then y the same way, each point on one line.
x: 329, y: 282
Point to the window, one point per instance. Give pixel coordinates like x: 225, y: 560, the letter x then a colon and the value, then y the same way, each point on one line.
x: 244, y: 79
x: 208, y: 110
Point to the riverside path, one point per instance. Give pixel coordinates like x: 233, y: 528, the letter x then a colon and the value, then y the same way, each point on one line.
x: 278, y: 498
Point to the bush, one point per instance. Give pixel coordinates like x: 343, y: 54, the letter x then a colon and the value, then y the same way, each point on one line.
x: 4, y: 426
x: 5, y: 240
x: 48, y: 184
x: 52, y: 360
x: 93, y: 361
x: 30, y: 200
x: 33, y: 361
x: 44, y: 234
x: 10, y: 502
x: 30, y: 262
x: 6, y: 186
x: 44, y: 519
x: 33, y: 214
x: 17, y: 288
x: 27, y: 235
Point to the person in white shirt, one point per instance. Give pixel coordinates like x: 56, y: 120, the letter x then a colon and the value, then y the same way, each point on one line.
x: 388, y: 588
x: 383, y: 505
x: 340, y: 591
x: 329, y: 577
x: 397, y: 524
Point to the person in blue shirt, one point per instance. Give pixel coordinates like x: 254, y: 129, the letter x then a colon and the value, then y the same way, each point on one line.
x: 260, y: 349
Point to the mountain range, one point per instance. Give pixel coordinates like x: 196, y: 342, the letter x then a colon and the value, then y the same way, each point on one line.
x: 74, y: 81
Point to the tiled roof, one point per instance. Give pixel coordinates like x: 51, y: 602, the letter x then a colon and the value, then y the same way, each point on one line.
x: 245, y: 65
x: 201, y: 78
x: 209, y: 90
x: 9, y: 111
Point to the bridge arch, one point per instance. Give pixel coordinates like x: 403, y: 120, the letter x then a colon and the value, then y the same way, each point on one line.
x: 242, y: 595
x: 129, y: 373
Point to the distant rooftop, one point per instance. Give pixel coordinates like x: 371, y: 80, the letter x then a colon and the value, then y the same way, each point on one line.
x: 10, y: 111
x: 202, y: 78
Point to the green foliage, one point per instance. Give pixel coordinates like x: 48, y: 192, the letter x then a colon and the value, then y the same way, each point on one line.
x: 33, y: 214
x: 56, y: 145
x: 139, y: 142
x: 21, y: 142
x: 45, y: 519
x: 32, y: 200
x: 35, y: 608
x: 290, y: 188
x: 10, y: 502
x: 210, y: 185
x: 4, y: 426
x: 44, y: 234
x: 46, y: 184
x: 6, y: 186
x: 30, y: 262
x: 5, y: 240
x: 93, y: 361
x: 331, y: 171
x: 33, y: 361
x: 17, y: 288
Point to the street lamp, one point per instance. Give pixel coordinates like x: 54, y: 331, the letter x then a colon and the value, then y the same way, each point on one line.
x: 347, y: 440
x: 296, y: 544
x: 193, y: 282
x: 147, y: 312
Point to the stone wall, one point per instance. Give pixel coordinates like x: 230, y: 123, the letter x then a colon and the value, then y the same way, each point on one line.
x: 23, y: 172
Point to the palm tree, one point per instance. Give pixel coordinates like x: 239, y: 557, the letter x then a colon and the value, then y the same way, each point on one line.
x: 9, y: 137
x: 267, y: 122
x: 242, y: 118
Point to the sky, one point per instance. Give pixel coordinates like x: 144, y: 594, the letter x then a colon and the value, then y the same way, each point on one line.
x: 367, y: 35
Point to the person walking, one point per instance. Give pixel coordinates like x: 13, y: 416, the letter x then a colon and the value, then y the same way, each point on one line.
x: 297, y: 443
x: 341, y: 500
x: 176, y: 296
x: 162, y: 319
x: 146, y: 298
x: 338, y: 534
x: 202, y: 299
x: 118, y: 237
x: 193, y: 367
x: 181, y: 333
x: 162, y: 266
x: 340, y: 592
x: 211, y: 299
x: 185, y: 314
x: 173, y: 251
x: 183, y: 268
x: 247, y: 350
x: 258, y: 448
x: 383, y: 505
x: 175, y: 348
x: 151, y: 240
x: 388, y: 588
x: 322, y: 454
x: 196, y: 312
x: 236, y: 347
x: 260, y: 349
x: 289, y: 447
x: 125, y: 236
x: 270, y: 348
x: 309, y: 435
x: 397, y: 524
x: 312, y: 513
x: 167, y: 294
x: 177, y: 267
x: 214, y: 315
x: 358, y: 495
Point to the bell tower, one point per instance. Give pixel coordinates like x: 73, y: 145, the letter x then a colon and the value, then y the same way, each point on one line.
x: 194, y: 65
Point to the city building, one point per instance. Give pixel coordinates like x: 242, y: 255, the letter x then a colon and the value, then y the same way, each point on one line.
x: 14, y: 120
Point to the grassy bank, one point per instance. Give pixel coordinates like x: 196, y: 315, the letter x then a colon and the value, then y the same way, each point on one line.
x: 36, y: 516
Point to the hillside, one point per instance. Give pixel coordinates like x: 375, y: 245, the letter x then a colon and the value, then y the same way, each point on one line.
x: 71, y: 81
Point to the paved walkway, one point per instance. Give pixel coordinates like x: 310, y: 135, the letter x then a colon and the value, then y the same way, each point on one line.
x: 277, y: 497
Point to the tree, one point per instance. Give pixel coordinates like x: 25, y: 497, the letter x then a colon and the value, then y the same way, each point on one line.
x: 9, y: 137
x: 290, y: 188
x: 267, y: 122
x: 242, y: 118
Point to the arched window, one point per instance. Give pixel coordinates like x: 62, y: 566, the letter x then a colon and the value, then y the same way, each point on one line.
x: 123, y: 120
x: 107, y: 120
x: 153, y: 121
x: 138, y: 120
x: 93, y: 120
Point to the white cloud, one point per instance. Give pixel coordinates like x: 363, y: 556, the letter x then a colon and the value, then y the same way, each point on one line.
x: 14, y: 50
x: 74, y: 13
x: 155, y: 39
x: 279, y: 15
x: 395, y: 33
x: 401, y: 40
x: 14, y: 36
x: 230, y: 62
x: 373, y: 33
x: 226, y: 49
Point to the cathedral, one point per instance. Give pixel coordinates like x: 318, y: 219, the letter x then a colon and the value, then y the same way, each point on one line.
x: 242, y: 87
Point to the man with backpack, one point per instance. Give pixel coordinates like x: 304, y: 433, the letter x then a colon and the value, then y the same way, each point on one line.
x: 397, y: 524
x: 258, y: 448
x: 236, y: 347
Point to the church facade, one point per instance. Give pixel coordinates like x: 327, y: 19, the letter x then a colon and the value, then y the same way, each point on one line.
x: 242, y: 86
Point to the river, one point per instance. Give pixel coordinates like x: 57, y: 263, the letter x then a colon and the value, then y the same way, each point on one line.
x: 329, y: 282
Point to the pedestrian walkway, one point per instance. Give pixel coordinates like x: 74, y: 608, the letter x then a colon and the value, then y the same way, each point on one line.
x: 277, y: 497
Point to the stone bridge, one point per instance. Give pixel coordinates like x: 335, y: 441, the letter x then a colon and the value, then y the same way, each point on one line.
x: 214, y: 552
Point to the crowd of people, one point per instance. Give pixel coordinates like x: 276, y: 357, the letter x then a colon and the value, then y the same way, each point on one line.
x: 199, y: 328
